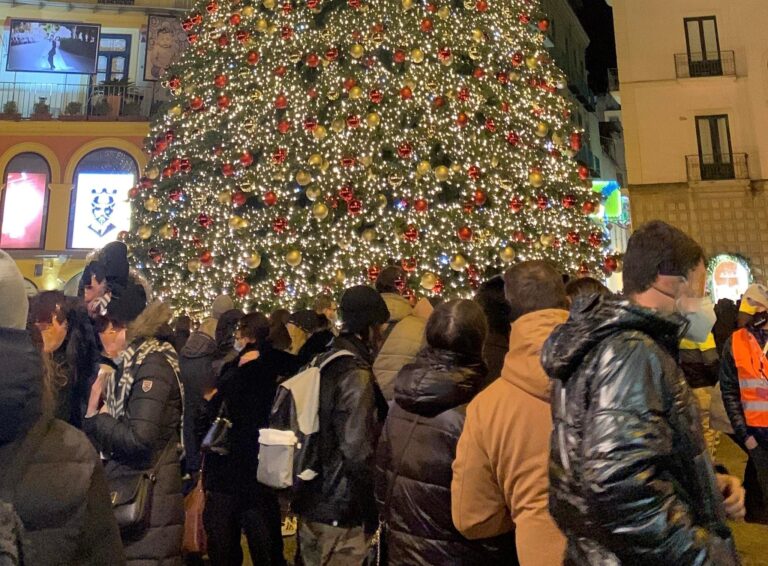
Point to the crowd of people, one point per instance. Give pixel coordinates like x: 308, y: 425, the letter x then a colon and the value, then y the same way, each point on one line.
x: 546, y: 421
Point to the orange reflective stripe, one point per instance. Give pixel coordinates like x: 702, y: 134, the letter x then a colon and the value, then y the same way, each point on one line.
x: 751, y: 364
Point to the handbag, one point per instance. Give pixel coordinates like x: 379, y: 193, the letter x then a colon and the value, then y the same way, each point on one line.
x: 131, y: 496
x: 195, y: 540
x: 216, y: 440
x: 377, y: 548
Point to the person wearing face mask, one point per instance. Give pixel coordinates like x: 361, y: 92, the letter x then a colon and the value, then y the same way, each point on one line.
x: 631, y: 481
x: 744, y: 385
x: 134, y: 419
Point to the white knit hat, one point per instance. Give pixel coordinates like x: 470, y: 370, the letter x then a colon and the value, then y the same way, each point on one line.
x: 14, y: 304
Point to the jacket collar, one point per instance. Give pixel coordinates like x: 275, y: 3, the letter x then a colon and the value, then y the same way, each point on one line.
x: 352, y: 343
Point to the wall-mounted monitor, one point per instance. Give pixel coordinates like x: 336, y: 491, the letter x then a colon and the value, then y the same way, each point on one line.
x: 23, y: 210
x: 101, y: 209
x: 45, y: 46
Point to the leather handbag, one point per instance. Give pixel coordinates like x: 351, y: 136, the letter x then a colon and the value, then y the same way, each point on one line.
x: 216, y: 440
x: 195, y: 540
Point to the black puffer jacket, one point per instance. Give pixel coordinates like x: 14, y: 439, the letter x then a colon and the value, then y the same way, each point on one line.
x: 145, y: 437
x: 62, y: 497
x: 351, y: 411
x: 631, y: 481
x: 434, y: 389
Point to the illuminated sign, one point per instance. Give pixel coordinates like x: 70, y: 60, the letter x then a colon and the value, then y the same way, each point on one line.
x: 729, y: 277
x: 101, y: 209
x: 23, y: 210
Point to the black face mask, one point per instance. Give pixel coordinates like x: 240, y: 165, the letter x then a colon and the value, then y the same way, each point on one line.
x: 759, y: 320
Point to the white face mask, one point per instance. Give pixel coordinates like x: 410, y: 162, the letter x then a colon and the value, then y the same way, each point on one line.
x: 700, y: 313
x: 239, y: 346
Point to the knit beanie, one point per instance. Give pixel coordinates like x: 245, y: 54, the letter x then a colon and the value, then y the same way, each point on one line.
x: 128, y: 305
x: 221, y: 304
x: 14, y: 305
x: 362, y: 307
x: 307, y: 320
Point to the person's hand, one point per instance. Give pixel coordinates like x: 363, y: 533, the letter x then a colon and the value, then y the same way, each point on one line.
x: 733, y: 496
x: 97, y: 390
x: 751, y: 443
x: 251, y: 356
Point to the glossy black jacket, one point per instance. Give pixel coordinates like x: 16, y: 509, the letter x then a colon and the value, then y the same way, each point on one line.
x: 631, y: 480
x: 434, y: 389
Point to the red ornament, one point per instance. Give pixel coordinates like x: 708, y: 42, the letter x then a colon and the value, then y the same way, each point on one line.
x: 227, y: 170
x: 584, y: 270
x: 284, y: 126
x: 133, y: 192
x: 145, y: 183
x: 270, y: 198
x: 573, y: 238
x: 174, y: 83
x: 312, y: 60
x: 431, y: 8
x: 575, y: 141
x: 478, y: 73
x: 502, y: 78
x: 438, y: 102
x: 287, y: 8
x: 583, y: 172
x: 192, y: 37
x: 242, y: 289
x: 409, y: 265
x: 353, y: 121
x: 595, y: 239
x: 239, y: 198
x: 204, y: 220
x: 281, y: 102
x: 411, y: 233
x: 223, y: 101
x: 465, y: 233
x: 473, y: 172
x: 312, y: 4
x: 252, y: 58
x: 279, y: 155
x: 234, y: 19
x: 479, y: 197
x: 206, y: 258
x: 160, y: 145
x: 185, y: 165
x: 279, y: 287
x: 490, y: 125
x: 444, y: 54
x: 279, y: 225
x: 542, y: 202
x: 354, y: 207
x: 543, y: 25
x: 122, y: 235
x: 588, y: 207
x: 312, y: 93
x: 246, y: 159
x: 468, y: 207
x: 354, y: 4
x: 280, y: 71
x: 310, y: 124
x: 569, y: 201
x: 286, y: 32
x: 463, y: 94
x: 373, y: 273
x: 504, y: 107
x: 332, y: 54
x: 513, y: 138
x: 349, y: 83
x: 187, y: 24
x: 517, y: 59
x: 420, y: 205
x: 346, y: 193
x: 426, y: 25
x: 404, y: 150
x: 611, y: 264
x: 462, y: 119
x: 525, y: 19
x: 375, y: 96
x: 516, y: 204
x: 211, y: 7
x: 481, y: 6
x: 519, y: 237
x: 168, y: 172
x: 406, y: 93
x: 223, y: 40
x: 399, y: 56
x: 348, y: 161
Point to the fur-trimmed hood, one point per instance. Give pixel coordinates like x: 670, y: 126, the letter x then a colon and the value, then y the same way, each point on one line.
x: 150, y: 322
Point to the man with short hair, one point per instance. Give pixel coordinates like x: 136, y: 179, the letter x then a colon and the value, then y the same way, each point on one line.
x: 631, y: 479
x: 500, y: 479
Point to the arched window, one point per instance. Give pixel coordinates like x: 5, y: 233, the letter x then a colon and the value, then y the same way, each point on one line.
x: 99, y: 207
x: 24, y: 203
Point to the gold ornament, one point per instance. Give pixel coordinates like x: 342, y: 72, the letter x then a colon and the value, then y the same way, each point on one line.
x: 325, y: 165
x: 458, y: 262
x: 153, y: 173
x: 320, y: 132
x: 542, y: 129
x: 269, y: 4
x: 474, y: 54
x: 536, y: 179
x: 478, y: 36
x: 531, y: 62
x: 381, y: 200
x: 247, y: 11
x: 144, y: 231
x: 237, y: 222
x: 355, y: 92
x: 293, y: 258
x: 320, y: 210
x: 303, y: 178
x: 294, y: 57
x: 373, y: 119
x: 506, y: 184
x: 357, y: 51
x: 344, y: 244
x: 557, y: 139
x: 333, y: 95
x: 395, y: 180
x: 262, y: 25
x: 423, y: 168
x: 442, y: 173
x: 253, y: 261
x: 166, y: 231
x: 338, y: 125
x: 428, y: 281
x: 417, y: 56
x: 152, y: 204
x: 256, y: 95
x: 507, y: 254
x: 340, y: 276
x: 193, y: 265
x: 313, y: 193
x: 469, y: 4
x: 225, y: 197
x: 407, y: 4
x: 444, y: 13
x: 365, y: 160
x: 369, y: 234
x: 174, y: 111
x: 315, y: 160
x: 456, y: 168
x: 546, y: 240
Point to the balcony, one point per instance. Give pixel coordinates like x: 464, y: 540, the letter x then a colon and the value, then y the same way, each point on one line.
x: 77, y: 102
x: 717, y: 167
x: 715, y: 64
x: 116, y: 5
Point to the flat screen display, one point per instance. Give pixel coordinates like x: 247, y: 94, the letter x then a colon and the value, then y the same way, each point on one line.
x: 23, y: 211
x: 45, y: 46
x: 101, y: 209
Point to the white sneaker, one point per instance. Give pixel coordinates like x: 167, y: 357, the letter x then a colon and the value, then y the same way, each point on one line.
x: 290, y: 526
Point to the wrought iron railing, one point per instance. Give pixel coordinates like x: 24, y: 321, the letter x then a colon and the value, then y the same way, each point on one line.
x: 710, y: 64
x: 77, y: 102
x: 717, y: 167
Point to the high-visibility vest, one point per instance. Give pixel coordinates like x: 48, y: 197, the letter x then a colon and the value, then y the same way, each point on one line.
x: 752, y: 367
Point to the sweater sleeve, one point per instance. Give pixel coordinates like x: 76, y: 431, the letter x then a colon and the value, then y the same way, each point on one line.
x: 477, y: 502
x: 729, y: 386
x: 100, y: 538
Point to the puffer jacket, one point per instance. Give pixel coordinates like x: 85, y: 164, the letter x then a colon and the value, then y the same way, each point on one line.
x: 631, y: 480
x: 62, y: 496
x: 197, y: 377
x: 147, y: 437
x: 431, y: 398
x: 351, y: 412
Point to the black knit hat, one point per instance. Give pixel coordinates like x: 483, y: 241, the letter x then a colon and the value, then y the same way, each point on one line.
x: 307, y: 320
x: 126, y: 306
x: 362, y: 307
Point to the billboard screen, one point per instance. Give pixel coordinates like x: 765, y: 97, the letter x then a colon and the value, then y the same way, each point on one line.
x: 53, y: 47
x: 23, y: 211
x: 101, y: 209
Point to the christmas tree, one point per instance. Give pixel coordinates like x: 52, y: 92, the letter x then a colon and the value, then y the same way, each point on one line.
x: 309, y: 143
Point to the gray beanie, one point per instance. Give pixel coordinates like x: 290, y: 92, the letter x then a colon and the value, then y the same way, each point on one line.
x: 221, y: 304
x: 14, y: 304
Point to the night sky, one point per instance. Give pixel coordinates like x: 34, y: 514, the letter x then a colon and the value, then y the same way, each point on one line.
x: 597, y: 18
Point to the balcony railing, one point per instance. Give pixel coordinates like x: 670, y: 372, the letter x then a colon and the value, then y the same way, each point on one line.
x: 613, y: 80
x: 712, y: 64
x: 78, y: 102
x: 717, y: 167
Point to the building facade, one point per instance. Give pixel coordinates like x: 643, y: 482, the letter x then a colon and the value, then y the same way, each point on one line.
x: 694, y: 95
